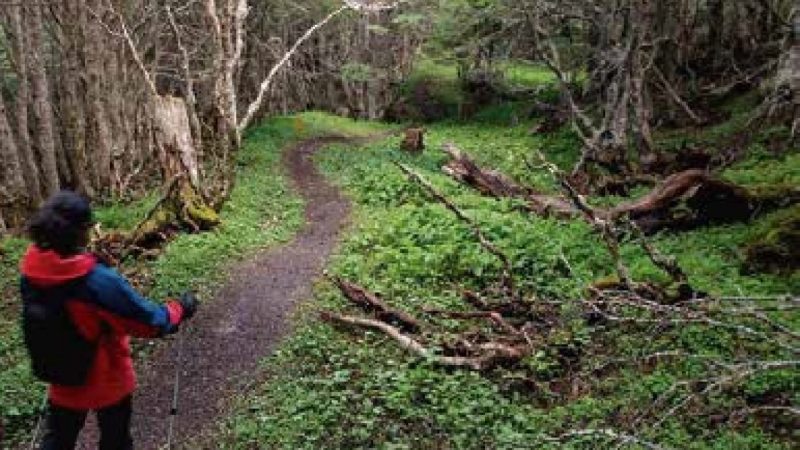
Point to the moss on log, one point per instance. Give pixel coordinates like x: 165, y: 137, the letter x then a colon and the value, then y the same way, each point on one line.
x: 182, y: 207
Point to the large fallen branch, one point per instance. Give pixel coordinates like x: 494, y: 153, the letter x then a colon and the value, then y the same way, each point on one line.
x: 491, y: 353
x: 682, y: 201
x: 509, y: 346
x: 495, y: 184
x: 371, y: 303
x: 695, y: 186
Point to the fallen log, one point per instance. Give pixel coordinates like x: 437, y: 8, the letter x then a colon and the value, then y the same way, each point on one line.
x: 682, y: 185
x: 682, y: 201
x: 490, y: 354
x: 371, y: 303
x: 495, y: 184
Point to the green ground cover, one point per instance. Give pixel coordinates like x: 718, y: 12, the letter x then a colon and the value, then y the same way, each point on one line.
x: 440, y: 79
x: 335, y: 388
x: 262, y: 211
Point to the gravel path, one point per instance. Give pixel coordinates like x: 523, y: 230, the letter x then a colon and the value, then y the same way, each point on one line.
x: 232, y: 333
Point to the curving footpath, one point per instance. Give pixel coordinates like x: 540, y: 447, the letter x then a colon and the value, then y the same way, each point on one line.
x: 243, y: 324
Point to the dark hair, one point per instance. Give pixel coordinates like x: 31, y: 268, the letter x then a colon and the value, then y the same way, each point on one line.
x: 61, y: 223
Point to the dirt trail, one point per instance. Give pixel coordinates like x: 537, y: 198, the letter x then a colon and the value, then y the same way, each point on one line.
x: 232, y: 333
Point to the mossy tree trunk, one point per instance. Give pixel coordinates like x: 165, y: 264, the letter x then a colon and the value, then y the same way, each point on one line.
x: 183, y: 204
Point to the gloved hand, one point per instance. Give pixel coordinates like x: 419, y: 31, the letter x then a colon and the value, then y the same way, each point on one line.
x: 189, y: 303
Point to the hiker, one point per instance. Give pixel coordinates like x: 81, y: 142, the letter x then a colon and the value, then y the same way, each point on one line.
x: 78, y: 316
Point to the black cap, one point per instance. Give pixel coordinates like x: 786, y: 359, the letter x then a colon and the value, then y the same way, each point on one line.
x: 61, y: 222
x: 73, y: 207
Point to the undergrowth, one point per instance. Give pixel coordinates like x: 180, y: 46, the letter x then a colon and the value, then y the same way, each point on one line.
x: 262, y: 211
x: 336, y: 388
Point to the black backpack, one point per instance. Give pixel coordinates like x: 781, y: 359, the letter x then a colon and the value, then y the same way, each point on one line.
x: 59, y: 353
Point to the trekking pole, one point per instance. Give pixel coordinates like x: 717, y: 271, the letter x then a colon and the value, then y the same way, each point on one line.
x: 173, y: 411
x: 38, y: 428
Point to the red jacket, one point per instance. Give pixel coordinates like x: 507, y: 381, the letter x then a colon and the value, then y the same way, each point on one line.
x: 113, y: 313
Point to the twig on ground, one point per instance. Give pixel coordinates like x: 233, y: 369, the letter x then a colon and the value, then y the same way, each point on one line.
x: 491, y: 353
x: 370, y: 302
x: 623, y: 438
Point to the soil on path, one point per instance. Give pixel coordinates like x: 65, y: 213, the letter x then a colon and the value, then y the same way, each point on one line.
x: 232, y: 333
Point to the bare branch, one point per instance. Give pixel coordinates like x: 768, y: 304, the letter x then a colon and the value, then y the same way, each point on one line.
x: 126, y: 36
x: 372, y: 303
x: 623, y: 438
x: 255, y: 105
x: 493, y: 353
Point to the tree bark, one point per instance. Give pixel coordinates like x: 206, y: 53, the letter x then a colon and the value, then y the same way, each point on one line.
x: 42, y: 107
x: 716, y: 25
x: 173, y: 136
x: 97, y: 117
x: 27, y: 157
x: 12, y: 181
x: 73, y: 111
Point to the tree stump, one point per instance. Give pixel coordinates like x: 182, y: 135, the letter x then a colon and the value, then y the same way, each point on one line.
x: 414, y: 141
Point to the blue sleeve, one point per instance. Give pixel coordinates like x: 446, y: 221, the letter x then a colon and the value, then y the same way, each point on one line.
x: 111, y: 291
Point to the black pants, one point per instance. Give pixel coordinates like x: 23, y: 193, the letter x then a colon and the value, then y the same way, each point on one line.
x: 64, y: 425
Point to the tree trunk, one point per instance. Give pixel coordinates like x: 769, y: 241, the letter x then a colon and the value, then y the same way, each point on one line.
x: 27, y: 158
x: 177, y: 154
x: 42, y: 106
x: 97, y: 117
x: 73, y: 112
x: 12, y: 181
x: 182, y: 204
x: 716, y: 25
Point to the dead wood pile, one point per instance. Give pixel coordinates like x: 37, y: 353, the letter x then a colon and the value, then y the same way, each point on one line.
x: 682, y: 201
x: 518, y: 328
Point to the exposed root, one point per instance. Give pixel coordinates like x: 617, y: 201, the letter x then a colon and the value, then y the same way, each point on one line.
x: 181, y: 207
